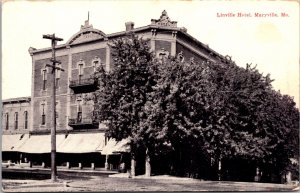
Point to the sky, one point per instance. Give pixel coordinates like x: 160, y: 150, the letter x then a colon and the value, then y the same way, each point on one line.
x: 271, y: 43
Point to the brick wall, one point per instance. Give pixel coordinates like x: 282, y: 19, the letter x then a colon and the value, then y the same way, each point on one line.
x: 10, y: 109
x: 38, y: 78
x: 87, y: 57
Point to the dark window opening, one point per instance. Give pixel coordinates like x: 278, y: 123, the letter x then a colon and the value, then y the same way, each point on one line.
x: 43, y: 115
x: 44, y: 79
x: 16, y: 120
x: 6, y: 121
x: 26, y: 119
x: 56, y: 83
x: 79, y: 114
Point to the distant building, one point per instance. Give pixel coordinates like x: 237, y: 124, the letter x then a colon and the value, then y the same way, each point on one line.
x: 78, y: 135
x: 16, y: 115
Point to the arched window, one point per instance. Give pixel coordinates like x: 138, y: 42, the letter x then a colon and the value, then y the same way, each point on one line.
x: 26, y: 120
x: 16, y: 120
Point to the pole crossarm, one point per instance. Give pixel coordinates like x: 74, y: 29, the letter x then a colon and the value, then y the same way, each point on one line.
x: 52, y: 37
x: 55, y: 61
x: 55, y: 67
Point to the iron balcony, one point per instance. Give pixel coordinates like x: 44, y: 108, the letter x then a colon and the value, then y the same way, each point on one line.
x: 84, y: 85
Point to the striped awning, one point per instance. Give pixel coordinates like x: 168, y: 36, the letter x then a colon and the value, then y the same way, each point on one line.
x: 40, y: 144
x: 13, y: 142
x: 82, y: 143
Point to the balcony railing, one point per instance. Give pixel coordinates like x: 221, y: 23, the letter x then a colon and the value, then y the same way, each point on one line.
x: 83, y: 82
x: 77, y: 122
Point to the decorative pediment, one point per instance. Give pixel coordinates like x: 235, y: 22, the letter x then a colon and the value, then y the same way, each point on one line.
x: 86, y: 33
x: 164, y: 20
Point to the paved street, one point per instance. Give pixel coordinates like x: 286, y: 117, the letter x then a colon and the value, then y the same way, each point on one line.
x: 69, y: 182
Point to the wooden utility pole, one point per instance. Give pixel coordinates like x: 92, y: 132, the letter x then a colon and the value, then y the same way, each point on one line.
x: 53, y: 129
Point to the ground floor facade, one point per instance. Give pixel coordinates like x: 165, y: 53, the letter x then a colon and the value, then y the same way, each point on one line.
x: 73, y: 150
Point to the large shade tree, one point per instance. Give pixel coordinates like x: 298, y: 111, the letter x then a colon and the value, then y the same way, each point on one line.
x: 123, y: 92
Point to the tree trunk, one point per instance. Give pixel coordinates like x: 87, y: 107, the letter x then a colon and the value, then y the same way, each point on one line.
x: 219, y: 168
x: 132, y: 173
x: 147, y: 164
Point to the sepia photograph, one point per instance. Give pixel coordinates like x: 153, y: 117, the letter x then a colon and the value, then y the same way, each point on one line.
x: 155, y: 95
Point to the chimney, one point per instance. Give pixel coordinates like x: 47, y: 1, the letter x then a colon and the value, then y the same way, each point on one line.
x: 129, y: 25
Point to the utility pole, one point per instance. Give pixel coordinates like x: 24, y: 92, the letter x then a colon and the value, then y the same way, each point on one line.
x: 53, y: 129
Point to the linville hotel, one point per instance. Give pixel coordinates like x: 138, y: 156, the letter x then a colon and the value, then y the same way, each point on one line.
x: 81, y: 142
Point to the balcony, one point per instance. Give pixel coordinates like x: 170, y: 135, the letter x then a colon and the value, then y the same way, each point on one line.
x: 84, y: 85
x: 83, y: 123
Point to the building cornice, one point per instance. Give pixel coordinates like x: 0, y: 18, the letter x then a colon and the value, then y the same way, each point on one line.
x: 16, y: 100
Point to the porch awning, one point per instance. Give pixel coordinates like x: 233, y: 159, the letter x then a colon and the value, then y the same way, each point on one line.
x: 13, y: 142
x: 40, y: 144
x: 82, y: 143
x: 114, y: 147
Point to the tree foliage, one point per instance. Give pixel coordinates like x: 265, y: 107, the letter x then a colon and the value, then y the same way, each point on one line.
x: 215, y: 109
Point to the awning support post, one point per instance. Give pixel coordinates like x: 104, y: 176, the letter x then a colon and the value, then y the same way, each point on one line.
x: 106, y: 162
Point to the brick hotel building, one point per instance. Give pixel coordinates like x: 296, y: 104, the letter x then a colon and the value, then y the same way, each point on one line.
x: 78, y: 135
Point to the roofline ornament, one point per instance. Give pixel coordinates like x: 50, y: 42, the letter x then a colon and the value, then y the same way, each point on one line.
x: 164, y: 20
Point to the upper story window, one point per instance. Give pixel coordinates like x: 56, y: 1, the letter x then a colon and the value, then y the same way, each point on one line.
x: 6, y: 121
x: 26, y: 120
x: 162, y: 55
x: 44, y: 77
x: 16, y: 120
x: 96, y: 63
x: 79, y: 111
x: 43, y: 114
x: 180, y: 56
x: 57, y: 76
x: 80, y: 69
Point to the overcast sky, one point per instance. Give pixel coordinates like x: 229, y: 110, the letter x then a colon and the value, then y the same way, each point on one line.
x: 270, y: 42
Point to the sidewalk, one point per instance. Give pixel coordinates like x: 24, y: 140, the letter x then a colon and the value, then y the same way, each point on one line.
x: 59, y: 169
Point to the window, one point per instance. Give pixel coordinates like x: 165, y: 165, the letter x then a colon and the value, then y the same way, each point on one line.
x: 57, y: 76
x: 80, y: 65
x: 16, y: 120
x: 180, y: 56
x: 44, y: 76
x: 79, y: 112
x: 26, y: 120
x: 162, y: 55
x: 6, y: 121
x: 43, y: 114
x: 96, y: 63
x: 80, y: 69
